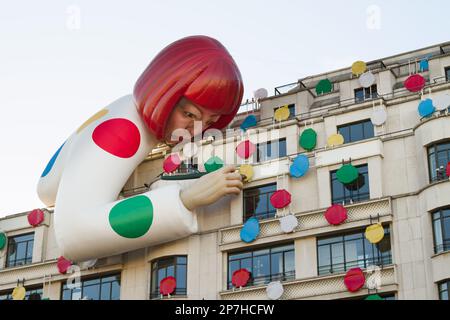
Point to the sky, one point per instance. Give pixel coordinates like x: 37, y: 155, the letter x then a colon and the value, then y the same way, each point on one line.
x: 62, y: 61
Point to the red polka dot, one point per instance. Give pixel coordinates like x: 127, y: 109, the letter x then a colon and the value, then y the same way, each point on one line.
x: 280, y: 199
x: 63, y: 264
x: 354, y: 279
x: 167, y: 285
x: 240, y: 277
x: 336, y: 214
x: 171, y: 163
x: 245, y: 149
x: 119, y: 137
x: 35, y: 217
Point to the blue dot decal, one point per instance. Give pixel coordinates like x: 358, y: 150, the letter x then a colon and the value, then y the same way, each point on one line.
x: 426, y: 108
x: 299, y: 166
x: 250, y: 230
x: 51, y: 162
x: 249, y: 122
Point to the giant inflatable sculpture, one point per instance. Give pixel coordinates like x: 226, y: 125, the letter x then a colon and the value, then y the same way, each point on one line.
x: 194, y: 78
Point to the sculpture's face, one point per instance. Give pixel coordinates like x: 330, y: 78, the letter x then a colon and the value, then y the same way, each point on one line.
x: 184, y: 115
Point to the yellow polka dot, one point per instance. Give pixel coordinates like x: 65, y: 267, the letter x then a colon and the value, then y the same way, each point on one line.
x: 375, y: 233
x: 247, y: 171
x: 359, y: 67
x: 335, y: 140
x: 95, y: 117
x: 282, y: 113
x: 18, y: 293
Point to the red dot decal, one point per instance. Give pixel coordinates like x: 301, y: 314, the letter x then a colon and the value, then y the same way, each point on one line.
x: 280, y: 199
x: 240, y: 278
x: 171, y: 163
x: 245, y: 149
x: 414, y: 83
x: 336, y: 214
x: 119, y: 137
x: 447, y: 170
x: 63, y: 264
x: 167, y: 285
x: 35, y: 217
x: 354, y: 279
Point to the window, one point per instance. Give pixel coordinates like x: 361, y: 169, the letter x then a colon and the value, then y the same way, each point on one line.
x: 441, y: 230
x: 257, y: 202
x: 102, y: 288
x: 270, y: 150
x: 353, y: 192
x: 443, y: 290
x: 350, y: 250
x: 362, y: 94
x: 291, y: 108
x: 438, y: 157
x: 31, y: 294
x: 175, y: 266
x: 356, y: 131
x: 264, y: 265
x: 20, y: 250
x: 447, y: 73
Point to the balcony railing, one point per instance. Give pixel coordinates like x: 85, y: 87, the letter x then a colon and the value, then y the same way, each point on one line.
x: 255, y: 281
x: 361, y: 263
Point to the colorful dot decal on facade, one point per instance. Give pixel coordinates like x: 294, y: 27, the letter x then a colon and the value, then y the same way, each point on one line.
x: 280, y: 199
x: 426, y: 108
x: 35, y: 217
x: 245, y: 149
x: 308, y: 139
x: 359, y: 67
x: 132, y: 218
x: 299, y: 166
x: 336, y: 214
x: 288, y: 223
x: 247, y: 171
x: 167, y: 285
x: 347, y: 174
x: 249, y: 121
x: 447, y: 170
x: 250, y: 230
x: 335, y: 140
x: 50, y: 164
x: 379, y: 117
x: 240, y: 278
x: 414, y: 83
x: 2, y: 240
x: 367, y: 79
x: 282, y: 113
x: 214, y: 163
x: 373, y: 297
x: 171, y: 163
x: 274, y: 290
x: 19, y: 293
x: 374, y: 233
x: 63, y: 265
x: 119, y: 137
x: 324, y: 86
x: 354, y: 279
x: 423, y: 65
x: 442, y: 101
x: 95, y: 117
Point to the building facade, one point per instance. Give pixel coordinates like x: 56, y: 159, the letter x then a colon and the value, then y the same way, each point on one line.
x: 402, y: 184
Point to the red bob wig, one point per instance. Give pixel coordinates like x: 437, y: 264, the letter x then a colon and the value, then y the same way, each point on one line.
x: 198, y: 68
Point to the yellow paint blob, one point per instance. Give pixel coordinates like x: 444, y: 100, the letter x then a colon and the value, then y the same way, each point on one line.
x: 247, y: 171
x: 359, y: 67
x: 18, y: 293
x: 95, y: 117
x: 374, y: 233
x: 282, y: 113
x: 335, y: 140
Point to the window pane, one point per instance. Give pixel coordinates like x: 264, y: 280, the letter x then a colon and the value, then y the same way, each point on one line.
x: 91, y: 292
x: 356, y: 132
x: 181, y: 276
x: 289, y: 261
x: 337, y: 255
x: 345, y: 132
x: 261, y: 266
x: 232, y: 267
x: 115, y: 290
x: 438, y: 235
x: 368, y: 130
x: 105, y: 294
x: 277, y: 263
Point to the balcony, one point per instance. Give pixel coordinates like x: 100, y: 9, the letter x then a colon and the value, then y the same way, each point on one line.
x: 310, y: 223
x: 324, y: 287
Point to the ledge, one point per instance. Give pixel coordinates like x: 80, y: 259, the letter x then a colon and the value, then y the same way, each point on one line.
x: 313, y: 288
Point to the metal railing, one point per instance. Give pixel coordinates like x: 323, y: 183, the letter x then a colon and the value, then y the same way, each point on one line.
x: 361, y: 263
x: 254, y: 281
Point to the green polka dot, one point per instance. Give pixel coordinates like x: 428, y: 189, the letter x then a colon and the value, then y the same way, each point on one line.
x: 213, y: 164
x: 347, y: 174
x: 308, y: 139
x: 2, y: 240
x: 324, y: 86
x: 373, y: 297
x: 132, y: 217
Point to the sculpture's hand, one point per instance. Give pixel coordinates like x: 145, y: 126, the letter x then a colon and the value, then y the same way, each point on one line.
x: 211, y: 187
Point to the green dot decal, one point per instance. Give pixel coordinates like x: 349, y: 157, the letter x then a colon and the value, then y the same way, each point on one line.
x: 213, y: 164
x: 2, y: 240
x: 373, y: 297
x: 324, y: 86
x: 132, y: 218
x: 347, y: 174
x: 308, y: 139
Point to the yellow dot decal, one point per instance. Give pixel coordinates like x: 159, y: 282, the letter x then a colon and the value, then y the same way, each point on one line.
x: 247, y: 171
x: 95, y: 117
x: 18, y: 293
x: 359, y: 67
x: 374, y: 233
x: 335, y: 140
x: 282, y: 113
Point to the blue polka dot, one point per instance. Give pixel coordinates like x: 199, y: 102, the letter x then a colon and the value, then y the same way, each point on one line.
x: 250, y: 230
x: 51, y: 162
x: 249, y: 122
x: 426, y: 108
x: 299, y: 166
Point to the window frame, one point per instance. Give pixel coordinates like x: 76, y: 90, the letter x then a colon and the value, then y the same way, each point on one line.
x: 360, y: 196
x: 257, y: 156
x: 368, y: 94
x: 266, y: 215
x: 434, y: 145
x: 154, y: 295
x: 27, y: 260
x: 356, y: 123
x: 283, y: 276
x: 379, y: 260
x: 445, y: 238
x: 447, y: 73
x: 441, y: 291
x: 91, y: 278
